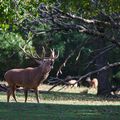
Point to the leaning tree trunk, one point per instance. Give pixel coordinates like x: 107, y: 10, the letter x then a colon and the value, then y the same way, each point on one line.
x: 104, y: 87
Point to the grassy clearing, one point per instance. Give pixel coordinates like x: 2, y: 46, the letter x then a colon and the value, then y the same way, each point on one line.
x: 65, y: 104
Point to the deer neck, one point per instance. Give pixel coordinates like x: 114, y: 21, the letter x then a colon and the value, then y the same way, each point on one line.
x: 40, y: 75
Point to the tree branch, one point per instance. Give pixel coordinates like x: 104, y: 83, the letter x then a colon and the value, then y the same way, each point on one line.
x: 99, y: 70
x: 104, y: 50
x: 86, y: 75
x: 69, y: 56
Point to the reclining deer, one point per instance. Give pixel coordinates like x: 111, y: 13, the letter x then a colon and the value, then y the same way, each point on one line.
x: 93, y: 82
x: 29, y: 78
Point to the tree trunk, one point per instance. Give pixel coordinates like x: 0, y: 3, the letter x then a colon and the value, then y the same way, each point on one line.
x: 104, y: 87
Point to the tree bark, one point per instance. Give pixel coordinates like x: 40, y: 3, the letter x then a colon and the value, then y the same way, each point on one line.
x: 104, y: 87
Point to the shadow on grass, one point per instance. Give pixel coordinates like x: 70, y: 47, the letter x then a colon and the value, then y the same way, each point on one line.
x: 32, y: 111
x: 74, y: 96
x: 57, y: 96
x: 61, y: 96
x: 66, y: 96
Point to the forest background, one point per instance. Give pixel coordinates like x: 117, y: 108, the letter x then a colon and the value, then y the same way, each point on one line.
x: 86, y: 33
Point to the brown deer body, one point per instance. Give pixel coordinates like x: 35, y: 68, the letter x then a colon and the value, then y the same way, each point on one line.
x: 73, y: 83
x: 70, y: 81
x: 94, y: 83
x: 28, y: 78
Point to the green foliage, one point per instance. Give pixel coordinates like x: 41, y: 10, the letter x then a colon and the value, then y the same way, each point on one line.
x: 10, y: 54
x: 12, y: 12
x: 116, y: 82
x: 117, y: 75
x: 89, y: 8
x: 14, y: 15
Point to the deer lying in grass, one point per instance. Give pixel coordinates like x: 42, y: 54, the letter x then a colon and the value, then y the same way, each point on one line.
x: 73, y: 83
x: 70, y: 81
x: 29, y: 78
x: 93, y: 83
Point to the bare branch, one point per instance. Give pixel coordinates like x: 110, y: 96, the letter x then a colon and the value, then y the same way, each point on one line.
x: 104, y: 50
x: 99, y: 70
x: 69, y: 56
x: 108, y: 23
x: 115, y: 42
x: 56, y: 81
x: 77, y: 27
x: 82, y: 20
x: 59, y: 81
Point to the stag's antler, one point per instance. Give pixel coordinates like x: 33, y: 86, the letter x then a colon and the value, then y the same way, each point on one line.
x: 31, y: 55
x: 53, y: 55
x: 35, y: 56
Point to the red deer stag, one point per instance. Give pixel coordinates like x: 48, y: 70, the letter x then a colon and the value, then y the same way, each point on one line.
x: 29, y: 78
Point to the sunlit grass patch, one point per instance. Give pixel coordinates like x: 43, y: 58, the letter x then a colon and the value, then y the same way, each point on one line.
x: 76, y: 95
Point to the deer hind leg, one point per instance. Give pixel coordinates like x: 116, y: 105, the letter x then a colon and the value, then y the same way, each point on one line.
x: 13, y: 93
x: 36, y: 94
x: 26, y: 94
x: 9, y: 92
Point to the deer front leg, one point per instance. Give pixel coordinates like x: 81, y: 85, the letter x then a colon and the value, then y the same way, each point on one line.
x: 26, y: 94
x: 36, y: 94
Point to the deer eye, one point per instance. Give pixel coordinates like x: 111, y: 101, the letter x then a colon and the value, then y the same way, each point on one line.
x: 44, y: 61
x: 51, y: 63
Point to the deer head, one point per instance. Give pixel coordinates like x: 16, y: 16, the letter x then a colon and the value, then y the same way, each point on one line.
x: 45, y: 62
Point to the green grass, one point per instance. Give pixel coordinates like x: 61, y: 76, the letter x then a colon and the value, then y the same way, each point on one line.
x: 32, y: 111
x: 67, y: 104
